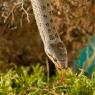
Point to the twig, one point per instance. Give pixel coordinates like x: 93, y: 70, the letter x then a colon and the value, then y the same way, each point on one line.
x: 27, y: 15
x: 47, y: 65
x: 11, y: 12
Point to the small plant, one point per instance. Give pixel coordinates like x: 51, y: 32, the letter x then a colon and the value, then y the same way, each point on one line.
x: 23, y: 81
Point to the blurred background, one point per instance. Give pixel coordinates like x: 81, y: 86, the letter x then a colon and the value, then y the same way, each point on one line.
x: 20, y: 42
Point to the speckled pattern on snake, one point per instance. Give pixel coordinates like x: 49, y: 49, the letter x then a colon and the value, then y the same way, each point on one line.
x: 53, y: 46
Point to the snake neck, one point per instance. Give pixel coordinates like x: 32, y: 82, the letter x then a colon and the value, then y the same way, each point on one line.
x: 42, y: 12
x: 54, y: 48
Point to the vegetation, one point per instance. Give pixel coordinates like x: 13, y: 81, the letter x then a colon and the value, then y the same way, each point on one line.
x: 20, y: 43
x: 27, y: 81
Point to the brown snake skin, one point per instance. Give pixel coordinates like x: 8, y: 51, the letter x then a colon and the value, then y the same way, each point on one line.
x: 54, y: 47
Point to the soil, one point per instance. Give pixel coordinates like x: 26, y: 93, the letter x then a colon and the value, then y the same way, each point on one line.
x: 20, y: 42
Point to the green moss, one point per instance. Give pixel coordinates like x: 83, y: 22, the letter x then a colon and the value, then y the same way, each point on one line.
x: 20, y: 81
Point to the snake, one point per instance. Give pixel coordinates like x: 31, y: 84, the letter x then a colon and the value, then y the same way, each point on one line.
x: 53, y: 45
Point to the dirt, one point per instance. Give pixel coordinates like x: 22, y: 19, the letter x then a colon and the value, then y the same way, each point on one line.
x: 20, y: 41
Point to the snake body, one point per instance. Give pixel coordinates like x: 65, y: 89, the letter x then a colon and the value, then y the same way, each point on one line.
x: 53, y: 46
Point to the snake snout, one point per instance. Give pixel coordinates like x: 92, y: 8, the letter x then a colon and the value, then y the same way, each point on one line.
x: 57, y: 54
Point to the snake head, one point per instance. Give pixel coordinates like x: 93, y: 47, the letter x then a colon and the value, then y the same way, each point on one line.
x: 57, y: 54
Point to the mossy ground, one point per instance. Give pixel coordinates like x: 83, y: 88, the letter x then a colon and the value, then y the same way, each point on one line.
x: 20, y: 43
x: 23, y: 81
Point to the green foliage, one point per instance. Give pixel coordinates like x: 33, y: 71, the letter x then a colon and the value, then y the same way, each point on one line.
x: 23, y: 81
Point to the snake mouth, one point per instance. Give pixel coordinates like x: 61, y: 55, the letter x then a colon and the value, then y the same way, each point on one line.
x: 62, y: 64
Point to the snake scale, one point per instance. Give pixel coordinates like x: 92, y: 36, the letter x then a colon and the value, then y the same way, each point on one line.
x: 53, y: 46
